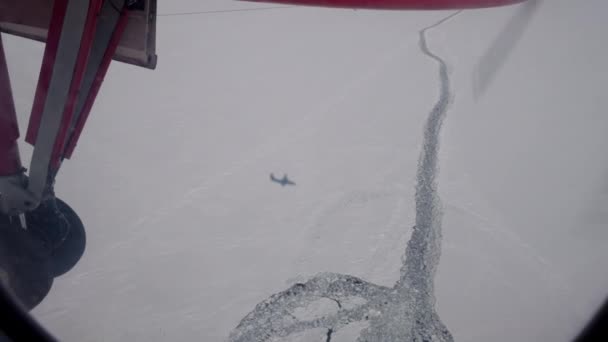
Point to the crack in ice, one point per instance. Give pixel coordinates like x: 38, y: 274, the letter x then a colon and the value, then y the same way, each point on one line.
x: 405, y: 312
x: 330, y: 331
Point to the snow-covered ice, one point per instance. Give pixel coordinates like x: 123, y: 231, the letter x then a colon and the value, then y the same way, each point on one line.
x: 186, y: 234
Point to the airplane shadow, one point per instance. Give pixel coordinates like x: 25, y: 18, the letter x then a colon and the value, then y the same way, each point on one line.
x: 285, y: 181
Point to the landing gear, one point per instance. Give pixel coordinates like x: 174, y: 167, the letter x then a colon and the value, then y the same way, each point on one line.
x: 60, y: 231
x: 41, y: 237
x: 30, y: 258
x: 24, y: 267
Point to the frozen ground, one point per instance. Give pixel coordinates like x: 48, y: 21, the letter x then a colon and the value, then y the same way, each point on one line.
x: 187, y: 234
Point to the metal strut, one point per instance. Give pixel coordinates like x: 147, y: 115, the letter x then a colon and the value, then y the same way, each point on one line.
x: 12, y: 178
x: 82, y: 38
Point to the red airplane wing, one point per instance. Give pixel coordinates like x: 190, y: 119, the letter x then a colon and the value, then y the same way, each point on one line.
x: 399, y: 4
x: 31, y: 18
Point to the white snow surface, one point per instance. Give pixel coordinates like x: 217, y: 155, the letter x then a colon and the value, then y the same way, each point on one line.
x: 186, y: 233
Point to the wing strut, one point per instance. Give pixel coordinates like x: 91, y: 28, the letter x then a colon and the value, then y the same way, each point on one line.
x: 82, y: 38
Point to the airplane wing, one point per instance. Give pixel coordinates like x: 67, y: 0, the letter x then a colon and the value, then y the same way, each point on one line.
x: 31, y: 19
x: 399, y: 4
x: 275, y: 179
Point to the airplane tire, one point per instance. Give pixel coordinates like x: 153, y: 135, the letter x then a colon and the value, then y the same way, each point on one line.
x: 24, y: 266
x: 63, y: 233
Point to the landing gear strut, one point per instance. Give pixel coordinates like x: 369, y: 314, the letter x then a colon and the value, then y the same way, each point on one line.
x: 40, y: 235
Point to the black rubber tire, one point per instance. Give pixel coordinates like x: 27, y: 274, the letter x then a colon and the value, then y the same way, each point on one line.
x: 24, y: 265
x: 65, y: 255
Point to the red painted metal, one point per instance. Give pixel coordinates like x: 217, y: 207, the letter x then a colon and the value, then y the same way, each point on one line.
x: 48, y: 62
x: 99, y: 77
x: 31, y: 18
x: 399, y: 4
x: 46, y: 70
x: 10, y: 163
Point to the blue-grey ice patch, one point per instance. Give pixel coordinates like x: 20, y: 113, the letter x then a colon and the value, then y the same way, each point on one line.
x: 405, y: 312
